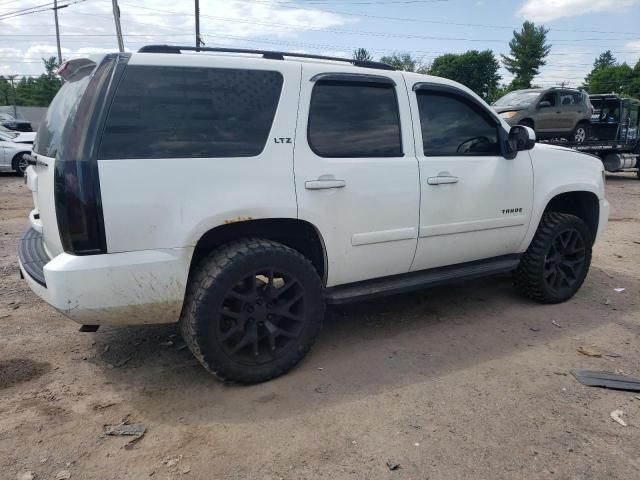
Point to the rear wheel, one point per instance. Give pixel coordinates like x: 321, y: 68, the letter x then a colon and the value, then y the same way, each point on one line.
x: 557, y: 261
x: 253, y: 310
x: 580, y: 133
x: 19, y: 164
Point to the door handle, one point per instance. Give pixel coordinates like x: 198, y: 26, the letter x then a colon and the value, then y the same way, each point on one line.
x: 442, y: 179
x: 324, y: 183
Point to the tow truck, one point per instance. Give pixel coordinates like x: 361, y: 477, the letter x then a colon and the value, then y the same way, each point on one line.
x: 614, y: 135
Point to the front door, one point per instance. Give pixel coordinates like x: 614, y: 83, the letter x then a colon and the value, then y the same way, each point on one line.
x: 356, y: 172
x: 475, y: 204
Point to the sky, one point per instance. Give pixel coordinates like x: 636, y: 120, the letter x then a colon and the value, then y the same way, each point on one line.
x: 579, y: 29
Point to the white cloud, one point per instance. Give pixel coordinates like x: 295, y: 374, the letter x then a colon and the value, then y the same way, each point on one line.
x: 547, y: 10
x: 633, y: 46
x: 89, y: 28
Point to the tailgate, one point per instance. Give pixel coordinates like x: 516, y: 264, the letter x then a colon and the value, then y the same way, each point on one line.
x: 40, y: 180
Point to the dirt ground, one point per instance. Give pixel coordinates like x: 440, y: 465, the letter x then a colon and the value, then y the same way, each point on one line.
x: 459, y: 382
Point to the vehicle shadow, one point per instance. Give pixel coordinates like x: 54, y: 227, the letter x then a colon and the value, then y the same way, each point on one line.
x: 364, y: 349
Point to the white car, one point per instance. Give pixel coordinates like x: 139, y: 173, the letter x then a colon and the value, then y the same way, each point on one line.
x: 238, y: 192
x: 13, y: 147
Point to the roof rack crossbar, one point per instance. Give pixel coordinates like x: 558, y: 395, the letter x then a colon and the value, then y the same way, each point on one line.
x: 269, y: 54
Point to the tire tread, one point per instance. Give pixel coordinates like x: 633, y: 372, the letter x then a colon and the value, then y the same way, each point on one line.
x: 206, y: 274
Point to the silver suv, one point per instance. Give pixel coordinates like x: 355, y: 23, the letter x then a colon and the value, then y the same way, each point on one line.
x: 551, y: 112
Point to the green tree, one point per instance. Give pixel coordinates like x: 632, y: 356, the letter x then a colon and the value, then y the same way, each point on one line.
x: 405, y: 62
x: 6, y: 92
x: 634, y: 87
x: 362, y: 55
x: 620, y: 79
x: 605, y: 59
x: 528, y: 49
x: 474, y: 69
x: 32, y: 91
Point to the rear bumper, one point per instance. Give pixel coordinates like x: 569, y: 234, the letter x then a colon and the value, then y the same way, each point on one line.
x: 130, y: 288
x: 33, y: 256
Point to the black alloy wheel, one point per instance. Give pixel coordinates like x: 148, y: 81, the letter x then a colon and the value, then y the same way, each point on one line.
x: 261, y: 317
x: 565, y: 261
x: 557, y: 261
x: 253, y: 309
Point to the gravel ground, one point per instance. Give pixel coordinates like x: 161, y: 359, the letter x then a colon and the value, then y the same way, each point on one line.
x: 468, y: 381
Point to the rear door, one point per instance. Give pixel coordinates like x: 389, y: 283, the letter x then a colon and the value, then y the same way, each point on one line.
x: 356, y: 173
x: 546, y: 119
x: 569, y: 107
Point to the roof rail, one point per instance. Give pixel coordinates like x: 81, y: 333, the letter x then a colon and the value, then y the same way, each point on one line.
x: 265, y: 54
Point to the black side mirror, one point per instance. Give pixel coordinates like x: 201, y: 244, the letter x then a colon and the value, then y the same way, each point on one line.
x: 544, y: 104
x: 520, y: 138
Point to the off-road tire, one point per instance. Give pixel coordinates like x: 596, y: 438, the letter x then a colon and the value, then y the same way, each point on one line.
x: 529, y: 277
x: 216, y: 277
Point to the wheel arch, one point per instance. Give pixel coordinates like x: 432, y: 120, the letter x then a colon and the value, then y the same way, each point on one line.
x: 580, y: 203
x: 297, y: 234
x: 528, y: 122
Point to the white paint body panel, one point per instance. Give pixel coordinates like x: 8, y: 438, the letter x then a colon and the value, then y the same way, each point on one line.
x: 369, y: 227
x: 141, y: 287
x: 172, y: 202
x: 465, y: 221
x: 560, y: 170
x: 386, y: 219
x: 9, y: 149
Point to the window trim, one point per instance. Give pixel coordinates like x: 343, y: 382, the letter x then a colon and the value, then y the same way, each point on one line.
x: 473, y: 103
x: 355, y: 79
x: 352, y: 77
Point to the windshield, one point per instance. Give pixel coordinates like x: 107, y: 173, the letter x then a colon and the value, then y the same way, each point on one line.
x: 517, y: 99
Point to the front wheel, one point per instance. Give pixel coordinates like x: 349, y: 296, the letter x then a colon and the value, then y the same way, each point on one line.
x: 253, y: 310
x: 556, y: 263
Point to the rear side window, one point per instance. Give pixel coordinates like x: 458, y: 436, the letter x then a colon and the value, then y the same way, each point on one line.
x: 63, y: 108
x: 452, y: 127
x: 186, y: 112
x: 354, y: 119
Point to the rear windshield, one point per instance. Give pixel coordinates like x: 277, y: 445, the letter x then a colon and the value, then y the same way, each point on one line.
x: 62, y: 108
x: 187, y: 112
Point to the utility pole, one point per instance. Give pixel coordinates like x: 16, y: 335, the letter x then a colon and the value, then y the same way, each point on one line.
x: 116, y: 18
x: 198, y: 39
x: 55, y: 16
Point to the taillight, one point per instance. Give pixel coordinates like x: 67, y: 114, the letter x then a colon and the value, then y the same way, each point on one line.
x: 77, y: 186
x: 78, y: 208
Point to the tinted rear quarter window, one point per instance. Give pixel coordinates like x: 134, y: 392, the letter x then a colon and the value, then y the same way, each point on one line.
x: 451, y: 126
x: 354, y: 119
x: 187, y: 112
x: 62, y: 109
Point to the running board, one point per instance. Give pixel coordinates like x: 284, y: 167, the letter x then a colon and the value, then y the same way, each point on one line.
x: 354, y: 292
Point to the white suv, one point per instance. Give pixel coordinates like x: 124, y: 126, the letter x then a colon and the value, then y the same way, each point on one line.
x: 237, y: 192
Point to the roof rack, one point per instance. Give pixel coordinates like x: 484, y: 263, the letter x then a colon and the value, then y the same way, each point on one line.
x: 265, y: 54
